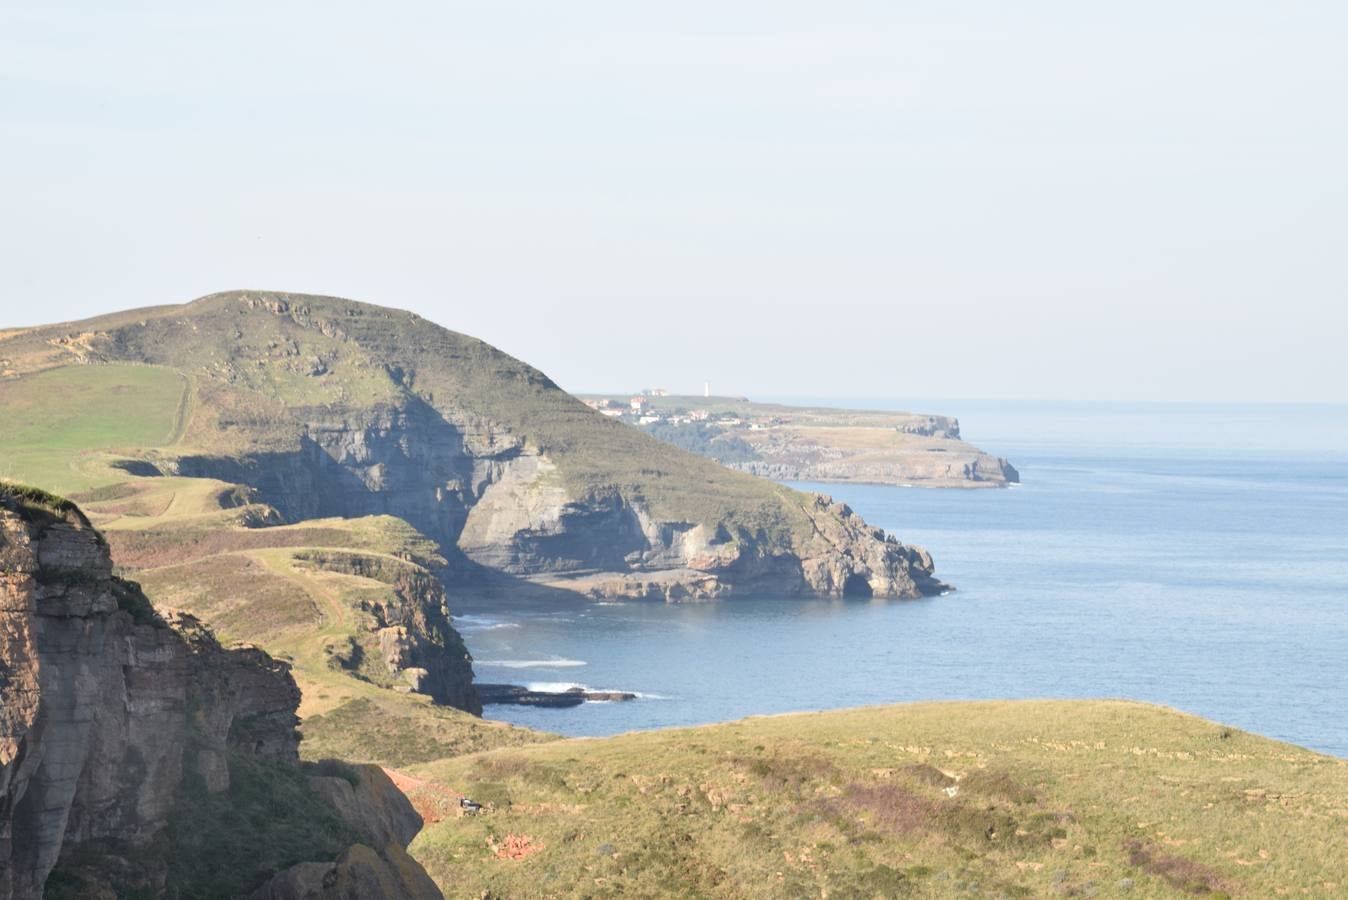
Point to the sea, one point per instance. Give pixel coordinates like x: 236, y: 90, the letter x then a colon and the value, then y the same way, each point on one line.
x: 1194, y: 556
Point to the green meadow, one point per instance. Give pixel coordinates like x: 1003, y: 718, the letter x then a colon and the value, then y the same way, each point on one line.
x: 989, y: 799
x: 55, y: 425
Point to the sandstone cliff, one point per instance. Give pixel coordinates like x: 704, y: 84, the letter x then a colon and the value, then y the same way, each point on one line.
x: 120, y: 725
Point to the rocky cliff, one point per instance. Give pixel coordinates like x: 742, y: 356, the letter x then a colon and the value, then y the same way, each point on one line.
x: 118, y: 722
x: 409, y: 627
x: 331, y: 407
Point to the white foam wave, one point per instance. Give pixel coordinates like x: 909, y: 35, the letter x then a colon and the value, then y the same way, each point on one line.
x: 555, y: 663
x: 481, y: 623
x: 553, y: 687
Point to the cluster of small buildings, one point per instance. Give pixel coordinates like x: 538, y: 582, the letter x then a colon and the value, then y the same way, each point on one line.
x: 640, y: 408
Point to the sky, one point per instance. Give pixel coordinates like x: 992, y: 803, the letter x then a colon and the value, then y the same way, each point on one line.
x: 1042, y: 200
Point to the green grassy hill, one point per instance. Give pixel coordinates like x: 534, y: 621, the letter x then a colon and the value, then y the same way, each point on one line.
x: 1011, y: 799
x: 262, y: 360
x: 331, y: 407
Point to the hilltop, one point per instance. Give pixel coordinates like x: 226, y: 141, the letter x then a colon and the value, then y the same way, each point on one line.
x: 332, y: 408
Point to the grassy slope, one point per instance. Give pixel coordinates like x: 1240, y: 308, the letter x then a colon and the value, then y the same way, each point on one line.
x: 55, y: 421
x: 1050, y: 797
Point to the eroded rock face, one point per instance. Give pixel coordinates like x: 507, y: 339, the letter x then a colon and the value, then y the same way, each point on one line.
x: 366, y: 799
x: 493, y: 502
x: 412, y: 627
x: 107, y: 705
x: 406, y: 460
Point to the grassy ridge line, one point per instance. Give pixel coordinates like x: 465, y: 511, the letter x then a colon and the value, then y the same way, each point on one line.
x: 1016, y: 799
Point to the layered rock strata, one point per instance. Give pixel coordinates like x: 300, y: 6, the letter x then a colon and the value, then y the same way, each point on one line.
x: 108, y: 708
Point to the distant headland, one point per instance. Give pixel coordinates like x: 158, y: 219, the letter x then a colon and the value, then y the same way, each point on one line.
x: 809, y: 443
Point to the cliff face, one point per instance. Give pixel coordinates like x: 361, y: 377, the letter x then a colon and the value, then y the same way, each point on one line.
x: 106, y: 705
x: 495, y: 503
x: 110, y: 710
x: 368, y: 802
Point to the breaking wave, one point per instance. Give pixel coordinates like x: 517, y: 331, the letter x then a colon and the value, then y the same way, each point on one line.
x: 555, y: 663
x: 472, y: 623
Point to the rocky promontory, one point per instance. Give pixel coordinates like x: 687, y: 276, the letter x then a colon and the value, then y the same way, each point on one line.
x: 815, y: 444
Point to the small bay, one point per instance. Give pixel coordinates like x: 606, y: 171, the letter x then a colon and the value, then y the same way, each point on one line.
x: 1194, y: 556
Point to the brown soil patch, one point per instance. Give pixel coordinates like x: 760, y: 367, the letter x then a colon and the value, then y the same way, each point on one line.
x: 1180, y: 872
x: 432, y: 801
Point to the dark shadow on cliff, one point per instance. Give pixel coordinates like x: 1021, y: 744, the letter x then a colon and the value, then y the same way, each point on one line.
x: 416, y: 463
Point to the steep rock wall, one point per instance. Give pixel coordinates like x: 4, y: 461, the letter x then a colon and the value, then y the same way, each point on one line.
x: 106, y: 704
x: 108, y: 708
x: 405, y: 460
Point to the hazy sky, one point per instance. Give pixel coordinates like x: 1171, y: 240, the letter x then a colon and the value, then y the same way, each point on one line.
x: 1137, y: 200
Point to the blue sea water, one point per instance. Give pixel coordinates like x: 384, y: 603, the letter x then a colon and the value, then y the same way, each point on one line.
x: 1194, y: 556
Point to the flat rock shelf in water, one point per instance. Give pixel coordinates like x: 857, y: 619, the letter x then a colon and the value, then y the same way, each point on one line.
x: 519, y: 695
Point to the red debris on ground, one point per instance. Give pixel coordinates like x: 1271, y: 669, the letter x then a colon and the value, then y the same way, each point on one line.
x: 515, y: 846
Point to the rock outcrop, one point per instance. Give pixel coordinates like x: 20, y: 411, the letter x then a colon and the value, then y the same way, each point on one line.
x: 110, y: 710
x: 519, y: 695
x: 411, y: 628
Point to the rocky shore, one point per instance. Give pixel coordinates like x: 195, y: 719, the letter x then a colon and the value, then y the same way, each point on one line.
x: 518, y: 695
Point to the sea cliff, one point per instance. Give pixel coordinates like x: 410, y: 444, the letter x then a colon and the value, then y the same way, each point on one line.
x: 121, y: 720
